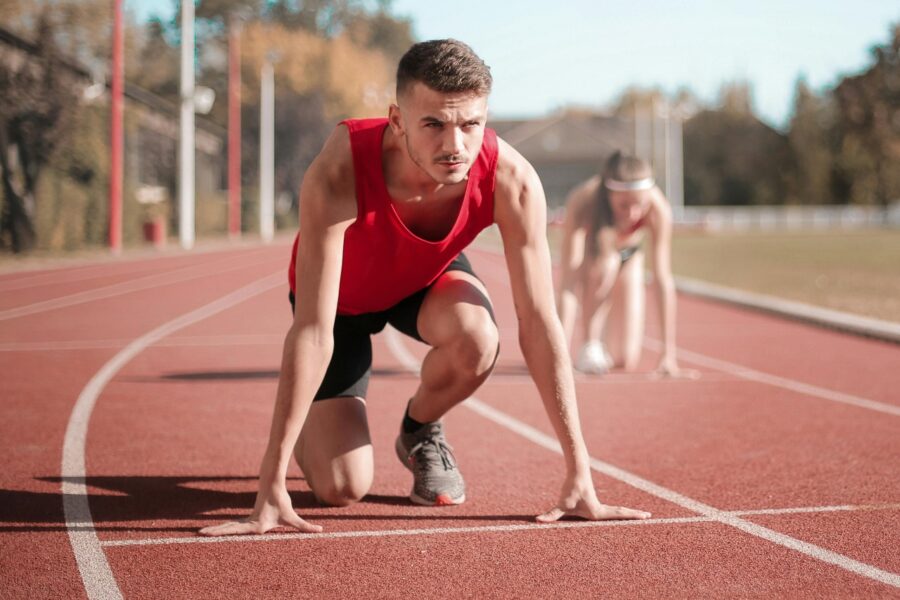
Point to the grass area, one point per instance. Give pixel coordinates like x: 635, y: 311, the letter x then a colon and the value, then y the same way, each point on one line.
x: 851, y: 271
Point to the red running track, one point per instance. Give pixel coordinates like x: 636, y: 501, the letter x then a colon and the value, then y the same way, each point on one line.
x: 137, y: 395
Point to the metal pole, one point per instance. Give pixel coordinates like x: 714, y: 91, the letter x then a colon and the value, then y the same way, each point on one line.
x: 116, y: 141
x: 658, y: 118
x: 267, y: 154
x: 642, y: 132
x: 675, y: 173
x: 186, y: 147
x: 234, y: 129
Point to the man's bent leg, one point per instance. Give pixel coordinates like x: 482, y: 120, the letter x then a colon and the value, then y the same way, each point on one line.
x: 334, y: 451
x: 456, y: 321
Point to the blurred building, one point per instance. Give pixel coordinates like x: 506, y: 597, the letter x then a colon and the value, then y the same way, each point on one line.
x: 566, y: 148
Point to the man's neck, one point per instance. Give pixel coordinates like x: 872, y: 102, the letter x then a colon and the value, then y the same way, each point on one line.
x: 402, y: 174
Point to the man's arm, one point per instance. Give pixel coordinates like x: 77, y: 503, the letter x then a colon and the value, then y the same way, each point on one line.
x: 520, y: 212
x: 327, y: 208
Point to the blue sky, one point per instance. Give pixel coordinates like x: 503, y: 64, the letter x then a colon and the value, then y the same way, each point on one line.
x: 545, y: 55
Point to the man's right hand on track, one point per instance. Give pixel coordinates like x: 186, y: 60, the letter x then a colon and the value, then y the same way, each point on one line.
x: 273, y: 509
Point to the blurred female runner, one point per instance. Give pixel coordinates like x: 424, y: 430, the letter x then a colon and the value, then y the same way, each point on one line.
x: 607, y: 219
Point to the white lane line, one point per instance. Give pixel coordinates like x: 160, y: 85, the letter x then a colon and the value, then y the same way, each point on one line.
x: 278, y: 537
x: 378, y: 533
x: 98, y: 579
x: 816, y: 509
x: 197, y: 340
x: 753, y: 375
x: 552, y: 444
x: 805, y: 389
x: 125, y: 287
x: 74, y: 274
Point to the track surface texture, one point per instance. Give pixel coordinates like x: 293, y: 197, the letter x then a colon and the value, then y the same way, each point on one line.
x: 136, y: 401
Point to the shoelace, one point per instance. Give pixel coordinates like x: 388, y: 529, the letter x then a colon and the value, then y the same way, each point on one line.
x: 443, y: 450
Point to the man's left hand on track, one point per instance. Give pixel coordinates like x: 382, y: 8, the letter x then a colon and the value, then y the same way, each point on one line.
x: 579, y: 499
x: 273, y: 509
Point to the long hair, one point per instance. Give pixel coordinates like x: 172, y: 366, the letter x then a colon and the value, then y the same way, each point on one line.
x: 619, y: 167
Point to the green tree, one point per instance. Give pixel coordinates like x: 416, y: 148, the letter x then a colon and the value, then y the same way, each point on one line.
x: 868, y: 116
x: 35, y: 110
x: 731, y: 157
x: 811, y: 166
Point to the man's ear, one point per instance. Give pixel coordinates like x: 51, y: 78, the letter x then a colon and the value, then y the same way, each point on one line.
x: 395, y: 120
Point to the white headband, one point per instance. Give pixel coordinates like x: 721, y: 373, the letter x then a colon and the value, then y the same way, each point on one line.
x: 629, y: 186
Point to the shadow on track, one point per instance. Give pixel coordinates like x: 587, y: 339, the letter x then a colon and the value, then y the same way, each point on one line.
x: 128, y: 503
x: 249, y: 375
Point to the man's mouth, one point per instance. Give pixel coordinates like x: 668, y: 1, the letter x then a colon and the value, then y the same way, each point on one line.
x: 451, y: 161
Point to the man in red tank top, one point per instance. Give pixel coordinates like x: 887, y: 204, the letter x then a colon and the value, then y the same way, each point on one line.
x: 385, y: 211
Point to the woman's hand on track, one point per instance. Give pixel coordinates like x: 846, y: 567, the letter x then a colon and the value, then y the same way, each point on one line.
x: 668, y: 368
x: 273, y: 509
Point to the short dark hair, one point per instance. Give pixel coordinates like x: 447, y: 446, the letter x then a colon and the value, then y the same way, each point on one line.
x: 445, y: 66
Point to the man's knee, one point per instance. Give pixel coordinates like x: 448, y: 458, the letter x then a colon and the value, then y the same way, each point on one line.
x: 342, y: 491
x: 476, y: 348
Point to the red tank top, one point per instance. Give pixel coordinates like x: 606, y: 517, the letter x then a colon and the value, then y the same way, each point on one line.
x: 384, y: 261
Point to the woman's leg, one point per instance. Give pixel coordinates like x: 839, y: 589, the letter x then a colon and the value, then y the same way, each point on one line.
x: 625, y: 324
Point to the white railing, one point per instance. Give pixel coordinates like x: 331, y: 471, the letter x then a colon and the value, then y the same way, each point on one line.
x: 788, y: 217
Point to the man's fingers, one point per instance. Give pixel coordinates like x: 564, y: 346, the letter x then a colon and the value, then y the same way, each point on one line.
x: 552, y: 515
x: 297, y: 523
x: 231, y: 528
x: 612, y: 513
x: 620, y: 512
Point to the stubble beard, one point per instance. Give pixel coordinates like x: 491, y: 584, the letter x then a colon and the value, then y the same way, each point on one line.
x: 417, y: 160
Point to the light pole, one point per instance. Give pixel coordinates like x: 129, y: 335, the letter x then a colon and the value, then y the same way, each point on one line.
x: 234, y: 127
x: 116, y: 135
x: 643, y: 130
x: 675, y: 162
x: 186, y: 146
x: 267, y: 150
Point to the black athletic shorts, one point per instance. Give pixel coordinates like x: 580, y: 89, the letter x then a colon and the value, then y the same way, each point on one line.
x: 627, y: 252
x: 351, y: 363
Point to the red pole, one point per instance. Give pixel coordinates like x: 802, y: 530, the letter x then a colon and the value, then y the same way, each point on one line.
x: 116, y: 141
x: 234, y: 129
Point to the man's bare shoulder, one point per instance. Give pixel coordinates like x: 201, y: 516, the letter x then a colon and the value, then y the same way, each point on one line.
x: 329, y: 186
x: 514, y: 172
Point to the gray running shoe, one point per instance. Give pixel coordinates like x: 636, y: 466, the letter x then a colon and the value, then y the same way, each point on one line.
x: 437, y: 480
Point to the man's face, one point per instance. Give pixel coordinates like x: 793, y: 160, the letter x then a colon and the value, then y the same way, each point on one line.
x: 629, y: 207
x: 443, y: 131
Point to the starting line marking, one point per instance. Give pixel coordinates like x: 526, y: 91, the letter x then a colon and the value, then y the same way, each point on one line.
x: 392, y: 338
x: 276, y: 537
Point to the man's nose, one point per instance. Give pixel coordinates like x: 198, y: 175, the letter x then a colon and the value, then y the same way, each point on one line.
x: 453, y: 141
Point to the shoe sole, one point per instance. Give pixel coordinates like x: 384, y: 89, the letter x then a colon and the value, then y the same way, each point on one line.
x: 440, y: 500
